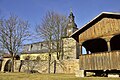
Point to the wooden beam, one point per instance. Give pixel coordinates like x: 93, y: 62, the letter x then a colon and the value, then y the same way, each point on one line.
x: 80, y: 48
x: 107, y: 39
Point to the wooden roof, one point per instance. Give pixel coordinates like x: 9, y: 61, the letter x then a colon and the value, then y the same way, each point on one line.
x: 102, y: 15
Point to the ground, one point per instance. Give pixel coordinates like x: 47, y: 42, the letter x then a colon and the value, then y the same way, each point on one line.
x: 36, y: 76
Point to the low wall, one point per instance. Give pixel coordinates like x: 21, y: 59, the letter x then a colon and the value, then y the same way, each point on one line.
x: 58, y: 66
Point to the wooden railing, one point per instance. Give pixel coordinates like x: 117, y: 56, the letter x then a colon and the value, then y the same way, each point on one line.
x: 100, y: 61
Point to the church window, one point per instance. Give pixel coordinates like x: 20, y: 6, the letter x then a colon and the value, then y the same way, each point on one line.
x: 41, y: 46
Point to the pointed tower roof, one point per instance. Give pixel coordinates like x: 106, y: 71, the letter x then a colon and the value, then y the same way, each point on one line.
x: 71, y: 14
x: 71, y: 25
x: 71, y: 20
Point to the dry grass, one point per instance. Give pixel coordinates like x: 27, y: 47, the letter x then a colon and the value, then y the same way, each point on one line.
x: 25, y: 76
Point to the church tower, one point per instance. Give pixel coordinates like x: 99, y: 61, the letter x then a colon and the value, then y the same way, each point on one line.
x: 70, y: 46
x: 71, y: 26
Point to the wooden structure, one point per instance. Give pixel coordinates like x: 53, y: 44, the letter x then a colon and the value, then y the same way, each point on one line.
x: 101, y: 39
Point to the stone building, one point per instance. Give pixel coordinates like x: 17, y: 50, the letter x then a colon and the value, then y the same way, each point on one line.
x: 70, y: 46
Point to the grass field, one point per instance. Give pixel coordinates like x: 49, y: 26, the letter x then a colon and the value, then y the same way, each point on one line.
x: 25, y: 76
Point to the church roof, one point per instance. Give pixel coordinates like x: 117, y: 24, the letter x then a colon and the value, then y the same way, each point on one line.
x: 76, y: 34
x: 37, y: 51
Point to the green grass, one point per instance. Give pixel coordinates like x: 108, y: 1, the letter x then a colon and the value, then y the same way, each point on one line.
x: 25, y: 76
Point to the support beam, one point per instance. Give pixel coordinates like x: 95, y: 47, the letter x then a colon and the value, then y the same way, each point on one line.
x: 80, y: 48
x: 80, y: 53
x: 108, y: 44
x: 109, y: 47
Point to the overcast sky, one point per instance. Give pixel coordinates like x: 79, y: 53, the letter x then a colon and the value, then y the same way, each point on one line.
x: 34, y: 10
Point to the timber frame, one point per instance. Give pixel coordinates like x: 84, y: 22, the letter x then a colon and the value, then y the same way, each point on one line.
x: 101, y: 39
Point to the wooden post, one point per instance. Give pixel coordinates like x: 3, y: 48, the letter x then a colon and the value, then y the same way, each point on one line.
x: 80, y: 54
x: 108, y: 44
x: 109, y: 47
x: 80, y: 48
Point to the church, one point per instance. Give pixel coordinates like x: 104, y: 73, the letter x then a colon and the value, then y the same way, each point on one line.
x: 39, y: 49
x: 36, y: 56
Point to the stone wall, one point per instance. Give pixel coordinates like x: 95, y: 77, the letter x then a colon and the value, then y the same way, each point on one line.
x: 17, y: 65
x: 62, y: 66
x: 70, y: 48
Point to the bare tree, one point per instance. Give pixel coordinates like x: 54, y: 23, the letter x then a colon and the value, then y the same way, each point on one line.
x: 59, y: 33
x: 13, y: 32
x: 52, y: 30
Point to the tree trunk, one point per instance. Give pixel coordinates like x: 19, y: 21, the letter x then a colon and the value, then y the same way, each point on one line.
x: 57, y: 56
x: 54, y: 66
x: 12, y: 67
x: 49, y: 59
x: 62, y: 54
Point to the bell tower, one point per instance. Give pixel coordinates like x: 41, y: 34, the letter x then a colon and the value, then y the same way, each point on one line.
x: 70, y: 46
x: 71, y: 26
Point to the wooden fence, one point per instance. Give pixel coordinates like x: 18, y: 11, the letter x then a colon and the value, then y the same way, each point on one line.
x: 100, y: 61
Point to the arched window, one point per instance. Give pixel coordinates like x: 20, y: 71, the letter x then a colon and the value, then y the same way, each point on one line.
x: 95, y: 45
x: 27, y: 58
x: 115, y: 42
x: 17, y: 57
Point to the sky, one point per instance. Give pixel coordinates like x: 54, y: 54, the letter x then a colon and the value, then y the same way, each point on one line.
x: 35, y: 10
